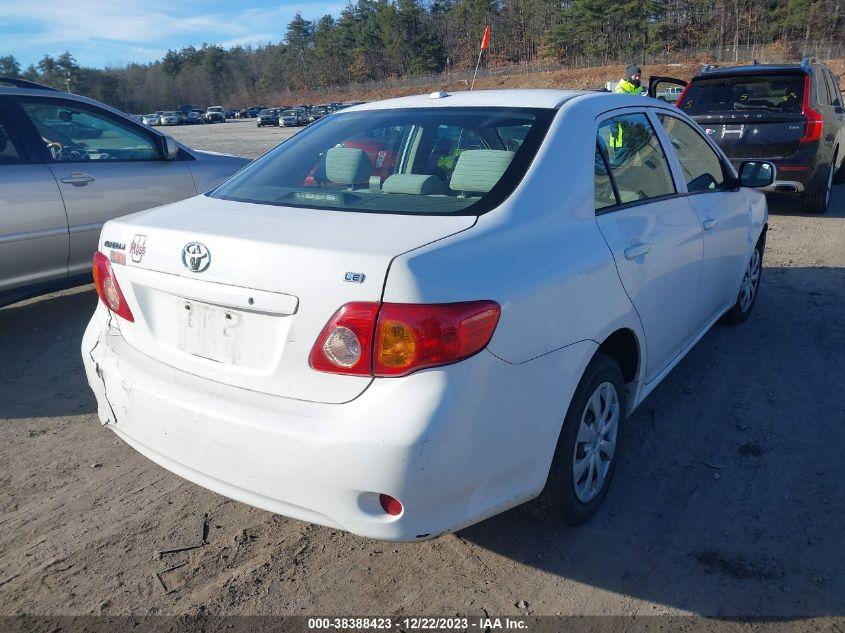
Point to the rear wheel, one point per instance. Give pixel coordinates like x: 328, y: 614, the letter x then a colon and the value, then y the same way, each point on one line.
x: 749, y: 288
x: 585, y: 457
x: 815, y: 200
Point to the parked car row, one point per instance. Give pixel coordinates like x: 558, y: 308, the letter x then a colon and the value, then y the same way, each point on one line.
x: 285, y: 116
x: 187, y: 115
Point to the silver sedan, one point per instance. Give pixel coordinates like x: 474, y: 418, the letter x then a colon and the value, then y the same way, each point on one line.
x: 67, y: 165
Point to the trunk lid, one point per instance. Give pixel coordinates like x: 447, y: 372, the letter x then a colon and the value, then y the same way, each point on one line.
x: 759, y: 135
x: 245, y: 306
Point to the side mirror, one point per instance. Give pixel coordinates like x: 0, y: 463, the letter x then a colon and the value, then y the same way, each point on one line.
x: 757, y: 174
x: 171, y: 148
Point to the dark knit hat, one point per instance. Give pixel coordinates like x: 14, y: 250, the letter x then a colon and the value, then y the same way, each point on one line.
x: 632, y: 70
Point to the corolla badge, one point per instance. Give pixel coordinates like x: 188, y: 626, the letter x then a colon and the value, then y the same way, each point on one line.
x: 196, y: 257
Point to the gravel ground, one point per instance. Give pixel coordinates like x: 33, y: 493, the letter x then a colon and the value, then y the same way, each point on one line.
x: 236, y: 136
x: 729, y: 497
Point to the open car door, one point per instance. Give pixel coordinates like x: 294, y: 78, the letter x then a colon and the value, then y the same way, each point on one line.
x: 666, y: 88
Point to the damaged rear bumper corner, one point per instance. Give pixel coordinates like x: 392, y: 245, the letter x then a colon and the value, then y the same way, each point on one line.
x: 96, y: 362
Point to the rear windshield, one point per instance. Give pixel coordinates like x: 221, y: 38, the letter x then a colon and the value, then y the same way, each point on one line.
x: 413, y: 161
x: 778, y: 94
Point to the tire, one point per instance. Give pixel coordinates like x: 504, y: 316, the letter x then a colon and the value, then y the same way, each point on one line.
x: 839, y: 176
x: 749, y: 288
x: 574, y: 500
x: 815, y: 200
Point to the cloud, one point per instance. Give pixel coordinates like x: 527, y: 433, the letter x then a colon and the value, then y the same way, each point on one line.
x: 102, y: 33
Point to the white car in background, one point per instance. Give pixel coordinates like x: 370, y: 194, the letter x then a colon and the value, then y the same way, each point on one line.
x: 420, y: 312
x: 151, y: 119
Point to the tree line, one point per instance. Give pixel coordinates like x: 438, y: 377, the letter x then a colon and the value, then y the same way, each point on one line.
x: 374, y: 40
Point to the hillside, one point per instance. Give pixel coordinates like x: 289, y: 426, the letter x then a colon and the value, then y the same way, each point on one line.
x: 575, y: 79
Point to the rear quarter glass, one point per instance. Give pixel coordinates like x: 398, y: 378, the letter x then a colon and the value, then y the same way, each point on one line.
x: 417, y: 161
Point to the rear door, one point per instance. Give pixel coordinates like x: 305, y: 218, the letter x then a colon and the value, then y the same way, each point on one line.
x: 722, y: 210
x: 105, y: 166
x: 750, y: 116
x: 33, y: 224
x: 655, y: 237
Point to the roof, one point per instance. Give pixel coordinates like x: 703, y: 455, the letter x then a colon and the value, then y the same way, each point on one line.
x: 751, y: 69
x: 477, y: 98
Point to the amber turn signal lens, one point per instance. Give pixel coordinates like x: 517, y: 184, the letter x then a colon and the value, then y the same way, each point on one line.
x: 397, y: 345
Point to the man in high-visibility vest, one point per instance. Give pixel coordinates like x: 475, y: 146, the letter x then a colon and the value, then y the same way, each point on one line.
x: 631, y: 84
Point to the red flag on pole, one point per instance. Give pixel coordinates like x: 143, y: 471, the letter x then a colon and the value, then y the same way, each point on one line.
x: 485, y: 41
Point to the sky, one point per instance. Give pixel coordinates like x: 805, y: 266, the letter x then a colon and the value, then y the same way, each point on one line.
x: 103, y: 33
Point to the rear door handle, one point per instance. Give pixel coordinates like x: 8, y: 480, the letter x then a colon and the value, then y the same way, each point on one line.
x: 709, y: 223
x: 636, y: 250
x: 78, y: 179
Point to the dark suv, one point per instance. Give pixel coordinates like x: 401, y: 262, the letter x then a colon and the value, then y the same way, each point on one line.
x: 790, y: 114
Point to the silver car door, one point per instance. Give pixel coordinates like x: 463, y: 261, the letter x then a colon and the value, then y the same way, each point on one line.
x: 33, y: 224
x: 106, y: 167
x: 652, y: 232
x: 721, y: 208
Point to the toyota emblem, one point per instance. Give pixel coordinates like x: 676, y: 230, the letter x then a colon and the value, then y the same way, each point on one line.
x: 196, y: 257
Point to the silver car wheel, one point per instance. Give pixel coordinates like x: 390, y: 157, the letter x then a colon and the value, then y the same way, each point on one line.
x: 596, y: 442
x: 750, y: 282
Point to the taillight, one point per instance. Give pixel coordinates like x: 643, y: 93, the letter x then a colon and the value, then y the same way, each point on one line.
x: 683, y: 94
x: 108, y: 289
x: 345, y: 345
x: 815, y: 123
x: 413, y: 336
x: 397, y: 339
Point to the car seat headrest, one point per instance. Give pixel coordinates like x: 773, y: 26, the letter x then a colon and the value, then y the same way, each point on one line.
x: 478, y: 170
x: 347, y: 166
x: 418, y: 184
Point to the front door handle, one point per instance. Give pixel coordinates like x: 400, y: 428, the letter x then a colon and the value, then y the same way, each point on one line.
x: 78, y: 179
x: 709, y: 223
x: 636, y: 250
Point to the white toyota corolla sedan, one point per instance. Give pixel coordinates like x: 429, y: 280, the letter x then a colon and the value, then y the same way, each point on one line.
x: 421, y: 312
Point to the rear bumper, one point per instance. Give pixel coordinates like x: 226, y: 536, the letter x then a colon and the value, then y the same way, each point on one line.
x: 455, y: 445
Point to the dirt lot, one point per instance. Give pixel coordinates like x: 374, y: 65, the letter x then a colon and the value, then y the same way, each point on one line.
x: 236, y: 136
x: 729, y: 498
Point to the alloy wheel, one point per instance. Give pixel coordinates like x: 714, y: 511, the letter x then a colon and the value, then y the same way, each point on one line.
x: 750, y: 282
x: 596, y: 442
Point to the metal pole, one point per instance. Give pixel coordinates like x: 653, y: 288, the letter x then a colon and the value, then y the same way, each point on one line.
x: 477, y: 64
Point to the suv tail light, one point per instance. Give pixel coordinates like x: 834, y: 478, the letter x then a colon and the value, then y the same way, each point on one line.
x: 108, y: 289
x: 815, y: 123
x: 396, y: 339
x: 682, y: 95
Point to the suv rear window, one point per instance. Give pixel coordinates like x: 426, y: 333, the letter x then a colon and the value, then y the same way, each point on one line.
x: 777, y: 94
x: 412, y: 161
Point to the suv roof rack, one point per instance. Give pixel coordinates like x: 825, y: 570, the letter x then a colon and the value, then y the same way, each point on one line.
x: 25, y: 83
